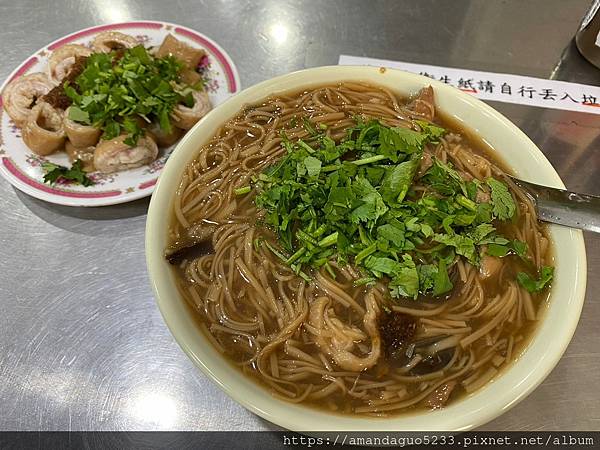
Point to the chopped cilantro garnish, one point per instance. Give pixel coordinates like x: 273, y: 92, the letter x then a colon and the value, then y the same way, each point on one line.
x: 502, y: 249
x: 78, y: 115
x: 502, y: 201
x: 117, y: 90
x: 441, y: 282
x: 536, y: 285
x: 355, y: 202
x: 75, y: 174
x: 242, y: 190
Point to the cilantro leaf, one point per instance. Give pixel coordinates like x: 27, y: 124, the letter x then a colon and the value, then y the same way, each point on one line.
x: 433, y: 132
x: 313, y: 166
x: 427, y: 276
x: 497, y: 250
x: 501, y: 249
x: 536, y: 285
x: 78, y: 115
x: 463, y: 245
x: 502, y: 201
x: 52, y: 172
x: 398, y: 178
x: 441, y: 282
x: 383, y: 265
x: 520, y: 248
x: 481, y: 231
x: 391, y: 233
x: 405, y: 283
x: 372, y: 206
x: 405, y: 139
x: 445, y: 179
x: 75, y: 174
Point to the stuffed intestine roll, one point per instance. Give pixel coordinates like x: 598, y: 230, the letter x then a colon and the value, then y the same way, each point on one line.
x: 84, y: 154
x: 114, y: 155
x: 174, y: 47
x: 185, y: 117
x: 62, y: 59
x: 165, y: 139
x: 112, y: 40
x: 79, y: 134
x: 43, y: 131
x: 21, y: 94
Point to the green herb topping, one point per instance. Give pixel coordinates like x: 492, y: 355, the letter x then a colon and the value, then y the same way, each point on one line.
x: 533, y: 285
x: 117, y: 90
x: 75, y: 174
x: 357, y: 202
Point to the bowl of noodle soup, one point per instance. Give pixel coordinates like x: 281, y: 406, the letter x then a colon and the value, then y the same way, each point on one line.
x: 331, y: 345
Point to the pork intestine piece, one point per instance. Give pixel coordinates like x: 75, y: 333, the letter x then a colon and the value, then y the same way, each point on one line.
x: 20, y: 95
x: 79, y: 134
x: 185, y: 117
x: 423, y: 104
x: 114, y: 155
x: 84, y: 154
x: 338, y: 339
x: 490, y: 266
x: 190, y: 56
x: 62, y: 59
x: 108, y: 41
x: 163, y: 139
x: 43, y: 131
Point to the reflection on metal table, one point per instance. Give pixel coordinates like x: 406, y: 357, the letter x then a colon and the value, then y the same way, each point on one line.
x: 82, y: 344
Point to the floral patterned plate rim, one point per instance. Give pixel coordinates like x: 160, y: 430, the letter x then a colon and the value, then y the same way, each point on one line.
x: 22, y: 168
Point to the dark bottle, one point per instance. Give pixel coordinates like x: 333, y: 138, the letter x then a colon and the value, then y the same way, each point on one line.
x: 588, y: 36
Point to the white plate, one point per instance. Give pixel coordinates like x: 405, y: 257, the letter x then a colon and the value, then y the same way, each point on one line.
x: 22, y: 168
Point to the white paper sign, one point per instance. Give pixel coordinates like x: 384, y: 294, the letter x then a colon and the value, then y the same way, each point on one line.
x: 500, y: 87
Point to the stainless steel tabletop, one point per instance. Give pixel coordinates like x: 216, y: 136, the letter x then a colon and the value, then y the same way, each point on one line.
x: 82, y: 344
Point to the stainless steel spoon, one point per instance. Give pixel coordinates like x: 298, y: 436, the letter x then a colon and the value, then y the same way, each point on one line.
x: 564, y: 207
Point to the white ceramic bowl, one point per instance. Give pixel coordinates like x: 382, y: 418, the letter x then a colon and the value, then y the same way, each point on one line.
x: 527, y: 161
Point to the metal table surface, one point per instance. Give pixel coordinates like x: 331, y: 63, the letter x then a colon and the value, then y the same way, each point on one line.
x: 82, y: 344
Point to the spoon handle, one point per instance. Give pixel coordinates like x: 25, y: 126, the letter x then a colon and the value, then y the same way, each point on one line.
x: 564, y: 207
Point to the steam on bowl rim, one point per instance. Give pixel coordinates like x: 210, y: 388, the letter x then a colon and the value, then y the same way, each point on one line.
x: 547, y: 345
